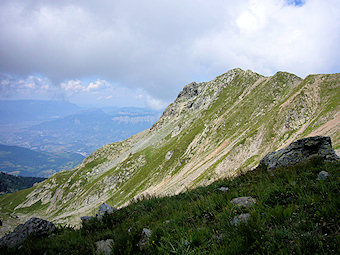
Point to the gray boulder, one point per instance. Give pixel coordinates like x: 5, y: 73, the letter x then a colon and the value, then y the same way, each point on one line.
x: 105, y: 209
x: 104, y: 246
x: 243, y: 201
x: 299, y: 151
x: 32, y: 227
x: 242, y: 218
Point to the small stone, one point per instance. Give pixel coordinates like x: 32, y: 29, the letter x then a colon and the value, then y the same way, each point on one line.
x: 243, y: 201
x: 145, y: 236
x: 223, y: 189
x: 86, y: 219
x: 322, y: 176
x: 104, y: 246
x: 169, y: 155
x: 242, y: 218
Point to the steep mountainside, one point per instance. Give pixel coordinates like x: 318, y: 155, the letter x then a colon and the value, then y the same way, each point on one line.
x: 212, y: 130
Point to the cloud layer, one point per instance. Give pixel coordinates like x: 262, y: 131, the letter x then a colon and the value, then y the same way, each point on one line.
x: 159, y: 46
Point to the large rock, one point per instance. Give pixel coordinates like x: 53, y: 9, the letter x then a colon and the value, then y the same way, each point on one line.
x: 299, y: 151
x: 32, y: 227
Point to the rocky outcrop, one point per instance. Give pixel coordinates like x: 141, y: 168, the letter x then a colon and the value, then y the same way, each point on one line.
x: 33, y: 227
x: 300, y: 151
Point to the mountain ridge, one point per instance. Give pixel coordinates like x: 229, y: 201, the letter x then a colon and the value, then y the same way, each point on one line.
x: 212, y: 130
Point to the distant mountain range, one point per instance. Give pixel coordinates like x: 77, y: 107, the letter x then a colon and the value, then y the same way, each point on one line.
x: 58, y: 126
x: 25, y: 162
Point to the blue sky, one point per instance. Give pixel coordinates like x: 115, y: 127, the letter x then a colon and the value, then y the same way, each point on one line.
x: 142, y: 53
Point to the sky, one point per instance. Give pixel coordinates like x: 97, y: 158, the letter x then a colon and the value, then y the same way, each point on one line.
x: 143, y: 52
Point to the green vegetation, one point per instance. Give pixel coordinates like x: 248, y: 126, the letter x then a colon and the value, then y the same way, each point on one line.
x: 10, y: 183
x: 294, y: 213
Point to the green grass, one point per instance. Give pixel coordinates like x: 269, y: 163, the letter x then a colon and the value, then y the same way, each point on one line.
x: 294, y: 214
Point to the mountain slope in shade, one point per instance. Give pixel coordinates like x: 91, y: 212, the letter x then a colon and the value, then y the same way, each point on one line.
x: 25, y: 162
x: 10, y: 183
x: 212, y: 130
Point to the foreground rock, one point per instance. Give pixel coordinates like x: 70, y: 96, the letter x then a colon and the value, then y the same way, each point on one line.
x: 299, y: 151
x: 33, y: 227
x: 103, y: 209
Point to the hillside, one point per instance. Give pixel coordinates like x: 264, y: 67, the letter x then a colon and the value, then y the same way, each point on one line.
x: 25, y: 162
x: 10, y: 183
x: 294, y: 213
x: 212, y: 130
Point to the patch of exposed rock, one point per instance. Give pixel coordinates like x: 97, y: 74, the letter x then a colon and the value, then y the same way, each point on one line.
x: 299, y: 151
x: 33, y: 227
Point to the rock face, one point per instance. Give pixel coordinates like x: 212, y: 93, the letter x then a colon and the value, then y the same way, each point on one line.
x: 299, y: 151
x: 34, y: 226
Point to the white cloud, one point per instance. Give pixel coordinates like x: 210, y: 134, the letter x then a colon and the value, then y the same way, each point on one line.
x: 159, y: 46
x: 155, y: 103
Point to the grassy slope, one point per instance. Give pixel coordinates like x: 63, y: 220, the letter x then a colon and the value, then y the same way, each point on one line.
x: 295, y: 213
